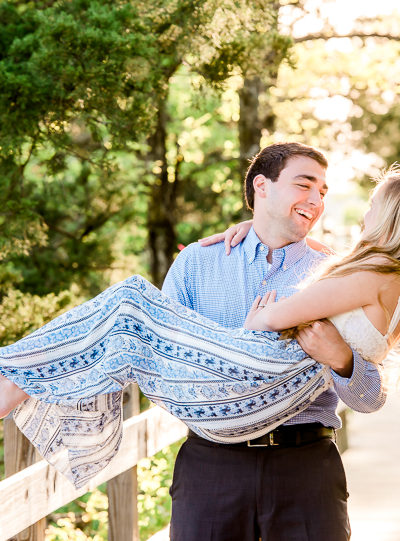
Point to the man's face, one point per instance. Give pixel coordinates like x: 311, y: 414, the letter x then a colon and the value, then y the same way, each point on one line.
x: 294, y: 202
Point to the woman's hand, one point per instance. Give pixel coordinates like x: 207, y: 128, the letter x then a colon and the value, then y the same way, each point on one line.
x: 255, y: 319
x: 319, y: 246
x: 231, y: 237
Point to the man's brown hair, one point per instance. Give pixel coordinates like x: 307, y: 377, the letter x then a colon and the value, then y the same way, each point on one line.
x: 272, y: 159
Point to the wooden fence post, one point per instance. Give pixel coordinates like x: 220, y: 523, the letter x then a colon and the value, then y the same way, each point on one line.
x: 123, y: 490
x: 18, y: 454
x: 342, y: 434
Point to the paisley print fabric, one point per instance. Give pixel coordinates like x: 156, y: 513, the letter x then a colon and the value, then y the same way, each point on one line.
x: 227, y: 385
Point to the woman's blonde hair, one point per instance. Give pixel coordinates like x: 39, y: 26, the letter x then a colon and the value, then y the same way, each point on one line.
x: 383, y: 239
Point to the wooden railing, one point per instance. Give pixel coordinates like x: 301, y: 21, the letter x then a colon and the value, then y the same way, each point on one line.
x: 32, y: 490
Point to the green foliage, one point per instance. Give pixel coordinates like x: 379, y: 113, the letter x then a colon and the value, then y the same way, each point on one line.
x: 341, y: 97
x: 71, y: 90
x: 21, y: 314
x: 84, y: 519
x: 69, y: 60
x: 82, y: 209
x: 155, y: 478
x: 202, y: 154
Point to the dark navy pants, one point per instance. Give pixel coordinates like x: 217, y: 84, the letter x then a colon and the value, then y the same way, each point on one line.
x: 237, y: 493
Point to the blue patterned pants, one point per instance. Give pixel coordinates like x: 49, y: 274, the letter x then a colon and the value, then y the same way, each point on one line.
x: 226, y: 384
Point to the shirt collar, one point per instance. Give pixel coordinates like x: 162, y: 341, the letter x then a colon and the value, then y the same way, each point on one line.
x: 289, y: 254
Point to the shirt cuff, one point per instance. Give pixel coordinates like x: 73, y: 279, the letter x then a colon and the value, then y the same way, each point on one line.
x: 356, y: 376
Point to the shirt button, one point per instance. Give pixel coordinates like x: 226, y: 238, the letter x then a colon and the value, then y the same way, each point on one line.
x: 262, y: 248
x: 284, y: 267
x: 362, y: 395
x: 351, y: 384
x: 264, y: 282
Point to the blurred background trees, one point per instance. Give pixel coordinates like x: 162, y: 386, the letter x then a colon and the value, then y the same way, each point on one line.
x: 126, y: 128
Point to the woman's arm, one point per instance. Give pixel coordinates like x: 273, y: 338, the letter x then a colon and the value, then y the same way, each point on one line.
x: 322, y: 299
x: 236, y: 233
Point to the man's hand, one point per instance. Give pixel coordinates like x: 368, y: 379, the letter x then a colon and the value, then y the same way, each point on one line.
x: 322, y: 341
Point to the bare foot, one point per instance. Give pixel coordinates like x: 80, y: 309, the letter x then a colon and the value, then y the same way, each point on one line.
x: 10, y: 396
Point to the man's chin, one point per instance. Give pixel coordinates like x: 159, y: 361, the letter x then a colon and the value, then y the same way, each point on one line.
x: 300, y: 228
x: 298, y: 235
x: 295, y: 232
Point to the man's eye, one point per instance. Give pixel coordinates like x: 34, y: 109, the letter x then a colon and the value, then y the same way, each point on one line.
x: 303, y: 185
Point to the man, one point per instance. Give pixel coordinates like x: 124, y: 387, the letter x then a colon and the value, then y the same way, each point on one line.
x: 288, y: 485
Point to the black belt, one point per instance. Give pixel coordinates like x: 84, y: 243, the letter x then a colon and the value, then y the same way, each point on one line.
x: 285, y: 436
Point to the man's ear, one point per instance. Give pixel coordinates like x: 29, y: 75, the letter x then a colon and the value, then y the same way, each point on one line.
x: 260, y: 184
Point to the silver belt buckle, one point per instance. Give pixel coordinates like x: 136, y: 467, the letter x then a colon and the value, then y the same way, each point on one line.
x: 270, y: 443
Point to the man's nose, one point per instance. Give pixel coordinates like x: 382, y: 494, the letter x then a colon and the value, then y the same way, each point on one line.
x: 315, y: 198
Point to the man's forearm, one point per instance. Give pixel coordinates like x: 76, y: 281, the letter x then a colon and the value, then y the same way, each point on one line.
x: 357, y: 382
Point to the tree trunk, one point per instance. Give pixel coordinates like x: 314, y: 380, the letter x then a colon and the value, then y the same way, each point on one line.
x: 249, y: 122
x: 253, y: 119
x: 161, y: 218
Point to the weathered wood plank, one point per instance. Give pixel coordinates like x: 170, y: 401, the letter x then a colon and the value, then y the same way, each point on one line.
x: 33, y: 493
x: 342, y: 439
x: 122, y: 490
x: 19, y: 454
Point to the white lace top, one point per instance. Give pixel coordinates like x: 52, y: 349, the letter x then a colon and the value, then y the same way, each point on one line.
x: 358, y: 331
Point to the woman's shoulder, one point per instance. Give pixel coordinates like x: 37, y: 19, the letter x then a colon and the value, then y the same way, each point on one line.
x: 379, y: 259
x: 389, y: 290
x: 380, y: 269
x: 373, y: 282
x: 386, y: 267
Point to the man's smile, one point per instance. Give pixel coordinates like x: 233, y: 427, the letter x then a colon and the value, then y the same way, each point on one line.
x: 305, y: 213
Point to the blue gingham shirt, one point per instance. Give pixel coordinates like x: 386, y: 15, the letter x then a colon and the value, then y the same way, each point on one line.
x: 223, y: 288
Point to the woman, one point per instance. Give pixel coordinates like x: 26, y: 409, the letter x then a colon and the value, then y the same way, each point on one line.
x: 225, y: 384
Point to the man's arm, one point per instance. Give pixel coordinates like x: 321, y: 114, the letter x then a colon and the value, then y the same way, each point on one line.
x: 358, y: 383
x: 364, y: 390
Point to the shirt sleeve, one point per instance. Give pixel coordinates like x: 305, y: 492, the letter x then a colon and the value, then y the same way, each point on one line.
x: 176, y: 284
x: 364, y: 390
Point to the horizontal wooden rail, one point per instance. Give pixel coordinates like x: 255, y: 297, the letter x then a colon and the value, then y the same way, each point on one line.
x: 36, y: 491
